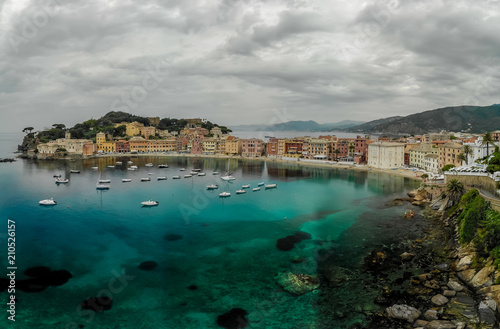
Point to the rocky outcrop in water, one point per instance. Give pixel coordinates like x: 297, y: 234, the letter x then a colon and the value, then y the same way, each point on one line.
x: 298, y: 284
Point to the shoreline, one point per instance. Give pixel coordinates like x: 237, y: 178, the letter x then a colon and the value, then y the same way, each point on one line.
x: 349, y: 166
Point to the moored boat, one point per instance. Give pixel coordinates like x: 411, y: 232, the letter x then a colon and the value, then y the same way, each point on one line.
x: 188, y: 176
x: 163, y: 166
x: 145, y: 179
x: 73, y: 171
x: 260, y: 184
x: 256, y: 189
x: 48, y: 202
x: 176, y: 177
x: 212, y: 187
x: 162, y: 178
x: 150, y: 203
x: 268, y: 186
x: 126, y: 180
x: 224, y: 194
x: 215, y: 173
x: 241, y: 191
x: 149, y: 164
x: 201, y: 174
x: 60, y: 180
x: 95, y: 168
x: 104, y: 181
x: 245, y: 186
x: 182, y: 169
x: 100, y: 186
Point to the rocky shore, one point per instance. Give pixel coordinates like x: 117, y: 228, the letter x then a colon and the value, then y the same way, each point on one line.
x: 428, y: 281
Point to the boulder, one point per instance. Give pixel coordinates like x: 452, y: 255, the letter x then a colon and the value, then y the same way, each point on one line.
x: 403, y: 312
x: 483, y: 277
x: 449, y: 293
x: 486, y: 314
x: 297, y: 284
x: 424, y: 277
x: 440, y: 324
x: 439, y: 300
x: 431, y: 315
x: 407, y: 256
x: 455, y: 285
x: 234, y: 319
x: 432, y: 284
x: 420, y: 323
x: 466, y: 275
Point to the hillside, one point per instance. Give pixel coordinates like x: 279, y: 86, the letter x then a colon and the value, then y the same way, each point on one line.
x: 299, y: 126
x: 474, y: 119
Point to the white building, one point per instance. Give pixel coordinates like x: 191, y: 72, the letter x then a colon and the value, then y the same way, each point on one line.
x: 385, y: 155
x: 479, y: 151
x: 431, y: 163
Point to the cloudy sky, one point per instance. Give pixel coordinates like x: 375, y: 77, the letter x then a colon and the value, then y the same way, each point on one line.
x: 244, y: 62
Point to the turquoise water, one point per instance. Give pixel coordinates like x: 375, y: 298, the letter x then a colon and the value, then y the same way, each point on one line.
x: 228, y: 245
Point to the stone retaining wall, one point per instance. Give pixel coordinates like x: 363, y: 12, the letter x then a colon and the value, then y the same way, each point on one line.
x: 482, y: 182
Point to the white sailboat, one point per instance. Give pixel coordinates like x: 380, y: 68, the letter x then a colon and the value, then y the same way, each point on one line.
x: 101, y: 183
x: 228, y: 176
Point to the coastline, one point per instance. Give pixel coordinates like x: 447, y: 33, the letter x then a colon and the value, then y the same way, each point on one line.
x: 396, y: 172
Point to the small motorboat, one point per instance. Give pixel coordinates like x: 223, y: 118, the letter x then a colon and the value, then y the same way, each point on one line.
x: 145, y: 179
x: 245, y: 186
x: 212, y: 187
x: 74, y: 171
x: 228, y: 177
x: 104, y: 181
x: 224, y: 194
x: 268, y: 186
x: 241, y: 191
x: 163, y: 166
x: 95, y: 168
x: 260, y: 184
x: 129, y: 162
x: 118, y: 163
x: 126, y: 180
x: 256, y: 189
x: 150, y: 203
x: 131, y: 169
x: 149, y: 164
x: 202, y: 174
x: 176, y: 177
x: 188, y: 176
x: 150, y: 173
x: 194, y: 173
x: 60, y: 180
x: 134, y: 167
x: 197, y: 170
x: 162, y: 178
x: 183, y: 169
x: 48, y: 202
x: 111, y: 166
x: 99, y: 186
x: 215, y: 173
x: 57, y: 175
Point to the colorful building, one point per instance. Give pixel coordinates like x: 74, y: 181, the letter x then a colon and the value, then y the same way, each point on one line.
x: 252, y: 147
x: 448, y: 154
x: 386, y: 155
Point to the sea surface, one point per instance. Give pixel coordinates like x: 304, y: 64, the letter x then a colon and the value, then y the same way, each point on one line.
x: 213, y: 254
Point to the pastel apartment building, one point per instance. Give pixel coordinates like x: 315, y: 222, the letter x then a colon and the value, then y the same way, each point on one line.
x: 82, y: 147
x: 448, y: 154
x: 233, y: 145
x: 418, y: 153
x: 103, y: 145
x: 385, y: 155
x: 252, y: 147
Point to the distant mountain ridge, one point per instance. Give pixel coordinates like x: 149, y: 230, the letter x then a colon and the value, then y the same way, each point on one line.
x: 473, y: 119
x: 300, y: 126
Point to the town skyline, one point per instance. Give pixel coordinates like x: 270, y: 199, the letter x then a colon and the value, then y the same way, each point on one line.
x: 244, y: 62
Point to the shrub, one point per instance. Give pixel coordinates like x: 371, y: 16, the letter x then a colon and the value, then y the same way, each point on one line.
x: 471, y: 218
x: 448, y: 167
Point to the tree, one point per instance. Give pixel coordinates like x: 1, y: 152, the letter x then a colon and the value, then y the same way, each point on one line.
x: 487, y: 140
x: 467, y: 151
x: 462, y: 157
x: 455, y: 190
x: 351, y: 150
x: 59, y: 126
x: 448, y: 167
x: 337, y: 151
x: 28, y: 130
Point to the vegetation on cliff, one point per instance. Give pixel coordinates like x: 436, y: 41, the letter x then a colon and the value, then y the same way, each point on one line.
x: 106, y: 124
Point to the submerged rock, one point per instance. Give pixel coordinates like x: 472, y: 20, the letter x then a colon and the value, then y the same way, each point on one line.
x: 336, y: 274
x: 234, y: 319
x: 297, y: 284
x: 97, y: 304
x: 148, y: 265
x: 403, y: 312
x: 173, y: 237
x: 288, y: 243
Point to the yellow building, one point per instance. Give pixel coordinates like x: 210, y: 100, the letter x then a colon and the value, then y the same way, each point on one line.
x: 233, y: 145
x: 103, y: 145
x: 210, y: 145
x: 418, y: 153
x: 448, y: 154
x: 148, y: 132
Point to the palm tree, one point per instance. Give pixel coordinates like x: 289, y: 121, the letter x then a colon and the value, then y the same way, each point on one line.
x: 337, y: 151
x: 487, y: 140
x: 351, y: 150
x: 461, y: 157
x: 455, y: 190
x: 467, y: 152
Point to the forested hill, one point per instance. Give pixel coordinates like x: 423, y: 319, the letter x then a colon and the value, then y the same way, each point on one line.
x: 474, y: 119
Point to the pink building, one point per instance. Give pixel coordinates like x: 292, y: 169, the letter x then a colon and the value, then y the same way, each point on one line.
x: 252, y: 147
x: 197, y: 147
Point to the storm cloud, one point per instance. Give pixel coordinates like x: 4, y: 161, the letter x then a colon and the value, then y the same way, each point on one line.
x: 242, y: 62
